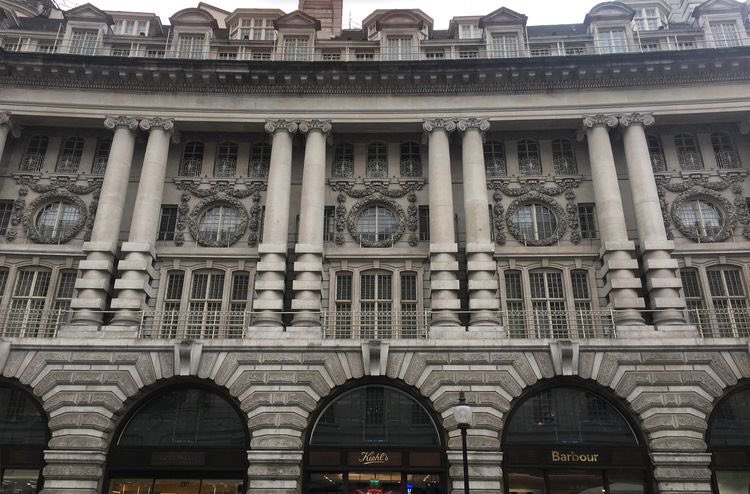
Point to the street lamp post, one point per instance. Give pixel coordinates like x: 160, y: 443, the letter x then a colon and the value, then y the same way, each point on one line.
x: 462, y: 414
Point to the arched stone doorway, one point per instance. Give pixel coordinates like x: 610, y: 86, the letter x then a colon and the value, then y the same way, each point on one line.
x: 566, y: 438
x: 729, y: 443
x: 375, y: 438
x: 185, y: 439
x: 23, y: 438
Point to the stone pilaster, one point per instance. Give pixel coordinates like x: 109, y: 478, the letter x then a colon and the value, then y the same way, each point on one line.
x: 663, y: 284
x: 95, y: 272
x: 136, y: 269
x: 7, y: 126
x: 682, y: 472
x: 619, y: 266
x: 443, y: 247
x: 269, y: 287
x: 481, y: 267
x: 485, y: 472
x: 274, y: 471
x: 308, y: 267
x: 73, y: 471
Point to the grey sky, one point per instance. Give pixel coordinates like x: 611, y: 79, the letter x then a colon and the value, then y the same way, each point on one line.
x: 539, y: 11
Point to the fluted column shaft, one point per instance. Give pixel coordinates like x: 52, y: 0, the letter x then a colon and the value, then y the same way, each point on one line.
x: 308, y: 267
x: 481, y: 268
x: 136, y: 270
x: 619, y: 265
x: 443, y: 248
x: 663, y: 283
x: 269, y: 287
x: 96, y: 271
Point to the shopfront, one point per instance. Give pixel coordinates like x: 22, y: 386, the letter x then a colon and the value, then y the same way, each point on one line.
x: 186, y: 440
x: 571, y: 440
x: 729, y: 443
x: 375, y: 439
x: 23, y: 439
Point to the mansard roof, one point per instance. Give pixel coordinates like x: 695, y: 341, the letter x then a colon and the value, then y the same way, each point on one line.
x: 609, y: 11
x: 88, y: 12
x: 297, y: 19
x: 398, y: 18
x: 718, y: 6
x: 253, y: 12
x: 194, y: 17
x: 503, y: 17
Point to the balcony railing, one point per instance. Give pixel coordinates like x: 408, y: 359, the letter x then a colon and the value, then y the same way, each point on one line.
x: 495, y: 167
x: 690, y: 160
x: 727, y: 160
x: 530, y: 166
x: 68, y: 163
x: 32, y: 323
x: 225, y: 168
x: 259, y: 168
x: 193, y: 325
x: 31, y: 162
x: 565, y: 165
x: 382, y: 325
x: 560, y: 324
x: 658, y: 164
x: 191, y: 168
x: 100, y: 165
x: 721, y: 323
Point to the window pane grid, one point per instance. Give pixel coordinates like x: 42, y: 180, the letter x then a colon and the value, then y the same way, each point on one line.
x: 343, y: 161
x: 226, y: 160
x: 260, y: 161
x: 563, y: 157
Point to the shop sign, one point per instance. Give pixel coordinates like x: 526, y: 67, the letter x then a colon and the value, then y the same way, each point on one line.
x: 178, y: 459
x: 373, y: 458
x: 573, y: 457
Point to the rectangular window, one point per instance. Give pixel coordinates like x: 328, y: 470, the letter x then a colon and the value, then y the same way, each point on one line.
x: 131, y: 27
x: 227, y: 55
x: 64, y: 295
x: 686, y: 45
x: 491, y: 212
x: 46, y: 48
x: 191, y: 46
x: 121, y: 52
x: 646, y: 47
x: 172, y: 299
x: 343, y: 304
x: 155, y: 53
x: 575, y: 50
x: 256, y: 29
x: 329, y: 224
x: 540, y: 52
x: 167, y: 223
x: 612, y: 41
x: 84, y: 42
x: 409, y: 314
x: 362, y: 57
x: 514, y: 301
x: 424, y: 223
x: 725, y: 35
x: 331, y: 57
x: 434, y: 55
x: 467, y: 54
x: 6, y: 211
x: 261, y: 55
x: 296, y: 48
x: 504, y: 45
x: 238, y: 304
x: 587, y: 221
x: 548, y: 303
x: 647, y: 19
x: 469, y: 31
x: 399, y: 48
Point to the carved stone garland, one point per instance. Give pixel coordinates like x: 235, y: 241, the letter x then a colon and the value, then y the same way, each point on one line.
x: 540, y: 192
x: 700, y: 186
x: 228, y: 192
x: 53, y: 189
x: 376, y: 200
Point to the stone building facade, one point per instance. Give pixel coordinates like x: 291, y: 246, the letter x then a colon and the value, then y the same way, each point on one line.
x: 253, y: 251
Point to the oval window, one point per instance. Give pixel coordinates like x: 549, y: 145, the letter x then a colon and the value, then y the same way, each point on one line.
x: 534, y: 222
x: 58, y: 220
x: 701, y: 219
x: 377, y: 224
x: 219, y: 224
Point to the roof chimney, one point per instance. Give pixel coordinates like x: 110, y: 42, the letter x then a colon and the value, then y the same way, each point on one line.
x: 328, y: 12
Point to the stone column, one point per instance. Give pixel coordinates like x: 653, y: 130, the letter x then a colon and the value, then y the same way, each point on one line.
x: 682, y: 472
x: 308, y: 266
x: 136, y: 269
x: 73, y: 471
x: 269, y: 287
x: 7, y: 127
x: 485, y: 471
x: 443, y: 247
x: 95, y: 272
x: 481, y: 267
x: 663, y: 284
x: 619, y: 266
x: 274, y: 470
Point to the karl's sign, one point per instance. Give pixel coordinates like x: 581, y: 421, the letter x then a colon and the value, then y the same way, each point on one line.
x: 573, y: 457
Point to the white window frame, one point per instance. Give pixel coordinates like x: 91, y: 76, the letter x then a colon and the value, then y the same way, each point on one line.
x: 647, y: 19
x: 297, y: 48
x: 132, y: 27
x: 84, y: 41
x: 399, y: 47
x: 725, y: 34
x: 504, y: 45
x: 611, y: 42
x: 191, y: 45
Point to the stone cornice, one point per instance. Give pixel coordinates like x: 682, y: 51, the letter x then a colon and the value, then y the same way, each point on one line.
x: 113, y: 123
x: 447, y: 124
x: 645, y: 119
x: 306, y: 126
x: 658, y: 69
x: 272, y: 126
x: 482, y: 124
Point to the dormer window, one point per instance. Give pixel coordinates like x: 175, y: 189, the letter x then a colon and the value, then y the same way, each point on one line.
x: 84, y: 41
x: 296, y: 48
x: 131, y: 27
x: 399, y: 47
x: 504, y: 45
x: 725, y: 35
x: 191, y: 45
x: 648, y: 19
x: 612, y: 41
x: 256, y: 29
x: 469, y: 31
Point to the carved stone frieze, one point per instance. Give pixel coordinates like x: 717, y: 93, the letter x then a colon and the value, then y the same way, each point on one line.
x: 527, y: 186
x: 498, y: 216
x: 165, y: 124
x: 340, y: 239
x: 35, y: 207
x: 237, y: 188
x: 360, y: 189
x: 412, y: 218
x: 76, y: 185
x: 4, y: 117
x: 473, y: 123
x: 591, y: 121
x: 717, y: 200
x: 376, y: 200
x: 220, y: 199
x: 255, y: 219
x: 273, y: 126
x: 561, y: 218
x: 306, y: 126
x: 449, y: 125
x: 744, y: 127
x: 645, y: 119
x: 113, y: 123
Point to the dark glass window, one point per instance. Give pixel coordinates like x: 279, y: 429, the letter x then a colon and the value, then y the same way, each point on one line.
x: 587, y: 221
x: 424, y: 223
x: 167, y: 223
x: 103, y: 147
x: 730, y: 425
x: 192, y: 160
x: 6, y: 210
x: 374, y: 415
x: 185, y: 418
x: 329, y: 224
x: 21, y: 422
x: 571, y: 416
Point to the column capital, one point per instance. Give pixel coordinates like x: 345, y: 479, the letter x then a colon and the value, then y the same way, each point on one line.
x: 482, y: 124
x: 306, y: 126
x: 272, y: 126
x: 6, y: 119
x: 591, y: 121
x: 644, y: 119
x: 447, y: 124
x: 744, y: 127
x: 116, y: 122
x: 165, y: 124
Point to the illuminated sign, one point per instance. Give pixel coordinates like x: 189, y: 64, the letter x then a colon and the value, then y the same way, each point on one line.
x: 373, y: 458
x: 572, y: 457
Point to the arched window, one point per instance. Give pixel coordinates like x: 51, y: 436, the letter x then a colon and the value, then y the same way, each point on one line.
x: 181, y: 440
x: 655, y: 152
x: 377, y: 160
x: 564, y: 436
x: 724, y: 151
x: 494, y: 159
x: 564, y: 157
x: 728, y: 440
x: 101, y: 157
x: 260, y: 161
x: 375, y: 428
x: 529, y: 162
x: 411, y: 159
x: 70, y: 156
x: 33, y: 158
x: 192, y: 159
x: 343, y: 161
x: 226, y: 160
x: 23, y: 439
x: 688, y: 154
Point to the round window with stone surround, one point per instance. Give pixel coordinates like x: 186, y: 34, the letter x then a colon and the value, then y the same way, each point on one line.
x: 534, y: 222
x: 57, y: 221
x: 377, y: 223
x: 218, y: 223
x: 703, y: 217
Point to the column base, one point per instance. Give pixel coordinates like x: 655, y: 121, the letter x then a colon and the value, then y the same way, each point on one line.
x: 484, y: 318
x: 267, y: 319
x: 445, y: 318
x: 306, y: 319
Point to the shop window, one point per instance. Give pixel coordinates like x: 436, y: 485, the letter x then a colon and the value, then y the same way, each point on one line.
x: 226, y: 160
x: 70, y: 156
x: 33, y: 158
x: 724, y: 151
x: 728, y: 440
x: 688, y: 154
x: 192, y: 160
x: 494, y: 159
